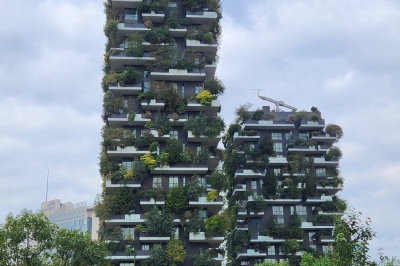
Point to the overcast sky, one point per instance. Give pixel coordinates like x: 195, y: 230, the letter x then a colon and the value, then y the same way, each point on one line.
x: 342, y: 56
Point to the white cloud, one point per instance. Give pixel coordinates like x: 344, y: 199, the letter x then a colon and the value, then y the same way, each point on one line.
x: 339, y: 83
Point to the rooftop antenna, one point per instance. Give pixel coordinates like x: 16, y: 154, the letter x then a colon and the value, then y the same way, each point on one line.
x: 47, y: 186
x: 277, y: 103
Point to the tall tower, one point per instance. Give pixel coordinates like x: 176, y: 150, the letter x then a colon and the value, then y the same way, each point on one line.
x: 161, y: 133
x: 283, y: 169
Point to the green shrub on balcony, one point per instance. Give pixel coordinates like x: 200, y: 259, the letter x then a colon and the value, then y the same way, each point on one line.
x: 204, y: 97
x: 122, y: 201
x: 159, y: 35
x: 149, y: 160
x: 219, y: 181
x: 242, y: 113
x: 212, y: 195
x: 139, y: 169
x: 258, y: 114
x: 334, y: 129
x: 111, y: 31
x: 203, y: 155
x: 203, y: 125
x: 112, y: 105
x: 176, y: 201
x: 175, y: 252
x: 159, y: 223
x: 170, y: 96
x: 106, y: 167
x: 185, y: 156
x: 157, y: 256
x: 333, y: 153
x: 162, y: 124
x: 269, y: 185
x: 291, y: 246
x: 174, y: 149
x: 194, y: 189
x: 195, y: 223
x: 144, y: 141
x: 258, y: 204
x: 134, y: 44
x: 217, y: 225
x: 237, y: 239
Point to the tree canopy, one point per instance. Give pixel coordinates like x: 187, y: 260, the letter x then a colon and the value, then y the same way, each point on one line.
x: 29, y: 239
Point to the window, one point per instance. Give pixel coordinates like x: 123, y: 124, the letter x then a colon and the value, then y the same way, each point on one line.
x: 202, y: 181
x: 271, y: 250
x: 125, y: 103
x: 281, y: 250
x: 131, y: 15
x: 277, y: 210
x: 145, y: 247
x: 157, y: 182
x: 128, y: 233
x: 173, y: 134
x: 146, y: 74
x: 175, y: 86
x: 172, y: 4
x: 184, y: 181
x: 127, y: 165
x: 173, y: 181
x: 288, y: 135
x: 203, y: 214
x: 325, y: 249
x: 183, y: 88
x: 199, y: 88
x: 254, y: 185
x: 320, y: 171
x: 281, y: 220
x: 251, y: 146
x: 254, y: 226
x: 146, y: 86
x: 303, y: 136
x: 277, y: 136
x: 127, y: 264
x: 300, y: 210
x: 313, y: 247
x: 311, y: 236
x: 277, y: 172
x: 278, y: 147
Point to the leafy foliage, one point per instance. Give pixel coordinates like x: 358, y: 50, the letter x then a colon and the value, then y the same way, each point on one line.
x: 217, y: 225
x: 176, y: 201
x: 334, y: 129
x: 174, y: 150
x: 204, y: 97
x: 159, y: 223
x: 157, y: 256
x: 218, y: 181
x: 215, y: 86
x: 149, y: 160
x: 175, y: 252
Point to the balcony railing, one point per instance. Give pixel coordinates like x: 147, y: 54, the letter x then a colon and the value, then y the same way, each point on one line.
x: 181, y: 169
x: 120, y: 120
x: 154, y: 17
x: 196, y: 106
x: 201, y: 17
x: 268, y: 124
x: 201, y: 237
x: 312, y: 125
x: 153, y: 105
x: 120, y: 60
x: 178, y: 75
x: 246, y: 173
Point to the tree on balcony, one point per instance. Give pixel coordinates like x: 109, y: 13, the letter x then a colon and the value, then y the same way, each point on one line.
x: 175, y: 252
x: 134, y: 44
x: 159, y: 223
x: 217, y: 225
x: 215, y: 86
x: 177, y: 201
x: 196, y: 223
x: 219, y: 181
x: 157, y: 256
x: 203, y: 125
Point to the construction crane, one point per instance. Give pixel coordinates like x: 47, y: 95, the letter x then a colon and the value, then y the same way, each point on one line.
x: 277, y: 103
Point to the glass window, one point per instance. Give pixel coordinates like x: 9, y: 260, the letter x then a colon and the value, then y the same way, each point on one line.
x: 128, y: 233
x: 281, y: 220
x: 253, y: 185
x: 127, y: 165
x: 278, y: 147
x: 288, y: 135
x: 320, y: 171
x: 204, y: 214
x: 325, y: 249
x: 199, y: 87
x: 183, y: 88
x: 281, y: 250
x: 145, y: 247
x: 303, y: 136
x: 173, y: 181
x: 173, y: 134
x: 202, y: 181
x: 157, y: 183
x: 175, y: 86
x: 146, y: 74
x: 131, y: 15
x: 277, y: 136
x: 311, y: 236
x: 172, y: 4
x: 146, y: 86
x: 277, y: 172
x: 277, y: 210
x: 125, y: 103
x: 271, y: 250
x: 300, y: 210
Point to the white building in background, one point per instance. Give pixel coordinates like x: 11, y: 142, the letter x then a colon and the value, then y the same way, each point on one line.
x: 71, y: 216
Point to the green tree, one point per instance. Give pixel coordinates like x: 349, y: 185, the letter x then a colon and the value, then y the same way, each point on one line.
x: 157, y: 256
x: 268, y: 263
x: 175, y: 252
x: 309, y: 260
x: 29, y: 239
x: 176, y: 201
x: 159, y: 223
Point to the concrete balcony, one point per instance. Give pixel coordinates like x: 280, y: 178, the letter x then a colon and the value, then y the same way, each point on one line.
x: 240, y: 139
x: 197, y: 46
x: 201, y: 17
x: 238, y: 189
x: 203, y: 139
x: 268, y: 124
x: 242, y: 214
x: 330, y: 188
x: 282, y: 201
x: 197, y: 107
x: 178, y: 33
x: 242, y: 226
x: 321, y: 162
x: 210, y: 70
x: 182, y: 119
x: 153, y: 105
x: 154, y: 17
x: 124, y: 219
x: 327, y: 139
x: 213, y: 162
x: 250, y: 253
x: 125, y: 3
x: 127, y: 28
x: 275, y: 161
x: 310, y: 226
x: 159, y: 138
x: 130, y: 151
x: 242, y: 174
x: 213, y: 207
x: 150, y: 238
x: 200, y: 237
x: 178, y: 75
x: 320, y: 150
x: 127, y: 89
x: 119, y: 61
x: 327, y: 240
x: 312, y: 125
x: 121, y: 256
x: 269, y: 239
x: 314, y: 200
x: 122, y: 120
x: 190, y: 169
x: 110, y: 185
x: 152, y: 202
